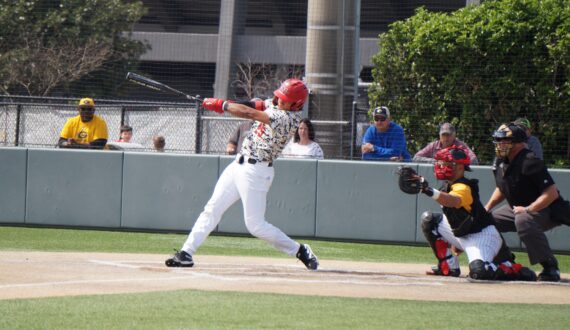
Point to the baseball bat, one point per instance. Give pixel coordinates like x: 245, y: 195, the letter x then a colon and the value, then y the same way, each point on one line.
x: 157, y: 86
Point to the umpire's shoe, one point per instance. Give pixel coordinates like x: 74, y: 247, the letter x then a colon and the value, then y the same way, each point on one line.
x: 180, y: 259
x: 550, y: 273
x: 305, y: 254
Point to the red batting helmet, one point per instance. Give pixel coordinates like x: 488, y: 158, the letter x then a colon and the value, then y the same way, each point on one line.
x: 446, y: 159
x: 293, y: 90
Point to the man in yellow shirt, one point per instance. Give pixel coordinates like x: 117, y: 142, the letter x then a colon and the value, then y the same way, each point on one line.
x: 85, y: 131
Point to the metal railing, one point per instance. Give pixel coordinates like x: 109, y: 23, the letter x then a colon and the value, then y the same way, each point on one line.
x: 37, y: 122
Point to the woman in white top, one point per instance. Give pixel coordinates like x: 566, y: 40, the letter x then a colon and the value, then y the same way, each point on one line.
x: 303, y: 144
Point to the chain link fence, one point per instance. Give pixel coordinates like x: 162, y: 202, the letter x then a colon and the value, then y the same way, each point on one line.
x: 35, y: 122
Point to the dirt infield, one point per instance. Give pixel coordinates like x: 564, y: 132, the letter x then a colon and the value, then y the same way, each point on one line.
x: 46, y: 274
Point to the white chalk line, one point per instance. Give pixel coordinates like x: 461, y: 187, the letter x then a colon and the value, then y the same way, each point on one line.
x: 197, y: 273
x: 270, y: 277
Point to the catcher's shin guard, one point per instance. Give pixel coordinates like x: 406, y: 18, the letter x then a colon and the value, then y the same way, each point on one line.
x: 440, y: 248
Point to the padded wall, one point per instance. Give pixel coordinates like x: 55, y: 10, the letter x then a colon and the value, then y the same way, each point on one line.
x: 324, y: 199
x: 361, y: 200
x: 166, y: 191
x: 558, y: 237
x: 13, y: 185
x: 74, y: 187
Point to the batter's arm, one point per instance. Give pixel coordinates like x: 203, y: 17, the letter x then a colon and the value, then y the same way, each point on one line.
x: 243, y: 111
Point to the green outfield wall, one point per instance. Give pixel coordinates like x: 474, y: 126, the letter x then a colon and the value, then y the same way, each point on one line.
x: 332, y: 199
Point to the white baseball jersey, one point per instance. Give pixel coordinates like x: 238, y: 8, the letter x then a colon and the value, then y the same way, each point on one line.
x: 265, y: 142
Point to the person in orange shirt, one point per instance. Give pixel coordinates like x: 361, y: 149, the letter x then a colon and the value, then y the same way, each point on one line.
x: 85, y: 131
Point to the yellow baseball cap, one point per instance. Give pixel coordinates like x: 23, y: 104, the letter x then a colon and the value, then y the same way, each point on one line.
x: 86, y: 103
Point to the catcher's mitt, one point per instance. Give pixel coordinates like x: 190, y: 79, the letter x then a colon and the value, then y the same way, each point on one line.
x: 409, y: 181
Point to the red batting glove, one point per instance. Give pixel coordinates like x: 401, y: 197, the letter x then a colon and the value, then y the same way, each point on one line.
x: 214, y: 104
x: 258, y: 104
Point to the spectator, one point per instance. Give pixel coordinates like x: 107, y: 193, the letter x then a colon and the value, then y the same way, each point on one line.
x: 533, y: 143
x: 385, y: 140
x: 447, y: 138
x: 85, y: 131
x: 236, y: 140
x: 524, y: 182
x: 159, y: 143
x: 303, y: 144
x: 126, y: 134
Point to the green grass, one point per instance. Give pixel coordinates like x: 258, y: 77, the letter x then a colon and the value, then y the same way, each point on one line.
x: 45, y: 239
x: 184, y: 309
x: 192, y: 309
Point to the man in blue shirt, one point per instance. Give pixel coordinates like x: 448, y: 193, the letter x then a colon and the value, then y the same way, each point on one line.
x: 385, y: 140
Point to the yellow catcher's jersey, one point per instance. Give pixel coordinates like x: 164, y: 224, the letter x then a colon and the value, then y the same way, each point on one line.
x: 85, y: 133
x: 462, y: 191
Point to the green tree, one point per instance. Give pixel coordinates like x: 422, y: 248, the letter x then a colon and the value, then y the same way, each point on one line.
x: 478, y: 67
x: 49, y: 44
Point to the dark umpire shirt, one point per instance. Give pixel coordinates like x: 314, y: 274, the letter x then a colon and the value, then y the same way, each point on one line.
x: 523, y: 180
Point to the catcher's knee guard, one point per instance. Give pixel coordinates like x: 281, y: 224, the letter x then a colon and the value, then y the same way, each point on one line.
x: 480, y: 270
x: 430, y: 221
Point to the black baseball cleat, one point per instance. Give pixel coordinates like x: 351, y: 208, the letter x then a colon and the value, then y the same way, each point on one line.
x: 305, y: 254
x: 435, y: 270
x: 549, y: 274
x: 180, y: 259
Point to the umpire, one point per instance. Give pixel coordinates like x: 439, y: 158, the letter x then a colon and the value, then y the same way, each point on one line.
x: 523, y: 180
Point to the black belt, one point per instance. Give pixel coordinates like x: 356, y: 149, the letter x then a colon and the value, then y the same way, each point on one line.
x: 251, y: 161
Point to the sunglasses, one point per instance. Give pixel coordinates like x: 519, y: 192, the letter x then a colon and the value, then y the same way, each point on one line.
x: 381, y: 119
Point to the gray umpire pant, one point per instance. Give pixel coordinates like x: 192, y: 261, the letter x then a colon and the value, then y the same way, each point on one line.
x: 530, y: 227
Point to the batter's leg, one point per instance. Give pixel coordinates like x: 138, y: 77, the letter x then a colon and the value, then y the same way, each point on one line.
x: 225, y: 194
x: 483, y: 245
x: 253, y: 185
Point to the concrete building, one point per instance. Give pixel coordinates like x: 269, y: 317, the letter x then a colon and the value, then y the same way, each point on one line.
x: 196, y: 45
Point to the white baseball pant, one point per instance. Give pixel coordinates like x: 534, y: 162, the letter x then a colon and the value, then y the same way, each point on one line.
x: 483, y: 245
x: 250, y: 182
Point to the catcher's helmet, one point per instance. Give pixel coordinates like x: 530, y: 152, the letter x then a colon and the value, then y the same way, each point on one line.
x: 446, y: 159
x: 293, y: 90
x: 505, y: 136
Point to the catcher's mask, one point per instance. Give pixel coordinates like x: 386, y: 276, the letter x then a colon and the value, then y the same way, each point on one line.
x: 505, y: 136
x: 446, y: 160
x: 292, y: 90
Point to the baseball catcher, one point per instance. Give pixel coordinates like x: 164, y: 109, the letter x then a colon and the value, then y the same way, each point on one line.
x: 464, y: 224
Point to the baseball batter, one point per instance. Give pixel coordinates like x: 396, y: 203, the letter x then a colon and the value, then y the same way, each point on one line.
x: 465, y: 225
x: 250, y: 176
